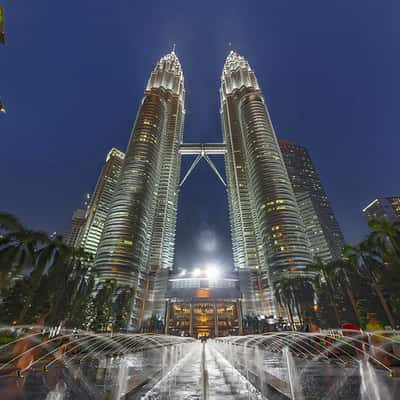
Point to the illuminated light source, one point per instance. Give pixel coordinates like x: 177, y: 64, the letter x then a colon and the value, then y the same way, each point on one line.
x: 202, y: 293
x: 196, y: 272
x: 212, y: 271
x: 183, y: 272
x: 2, y: 108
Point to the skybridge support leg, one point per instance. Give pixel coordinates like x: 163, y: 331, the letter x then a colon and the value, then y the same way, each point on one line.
x: 195, y: 162
x: 214, y: 168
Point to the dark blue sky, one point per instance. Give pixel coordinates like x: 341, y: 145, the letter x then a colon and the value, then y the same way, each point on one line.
x: 73, y: 73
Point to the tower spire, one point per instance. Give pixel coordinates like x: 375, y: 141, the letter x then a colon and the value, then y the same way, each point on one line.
x: 173, y: 48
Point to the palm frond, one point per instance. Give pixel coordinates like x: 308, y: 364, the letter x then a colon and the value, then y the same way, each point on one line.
x: 10, y: 223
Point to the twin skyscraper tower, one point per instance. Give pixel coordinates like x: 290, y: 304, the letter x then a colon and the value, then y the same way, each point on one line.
x: 269, y: 240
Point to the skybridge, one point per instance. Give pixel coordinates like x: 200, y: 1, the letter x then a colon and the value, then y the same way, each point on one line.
x: 202, y: 150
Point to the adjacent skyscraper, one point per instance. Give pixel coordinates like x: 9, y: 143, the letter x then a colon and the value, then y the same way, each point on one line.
x: 323, y: 231
x: 137, y: 244
x: 78, y: 220
x: 387, y: 208
x: 269, y: 239
x: 100, y: 202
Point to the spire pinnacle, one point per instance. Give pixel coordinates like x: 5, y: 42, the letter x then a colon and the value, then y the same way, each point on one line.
x: 173, y: 48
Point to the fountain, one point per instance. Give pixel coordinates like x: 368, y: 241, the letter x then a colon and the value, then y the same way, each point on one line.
x: 293, y: 377
x: 333, y: 365
x: 370, y: 386
x: 324, y: 365
x: 58, y: 392
x: 204, y: 373
x: 82, y: 365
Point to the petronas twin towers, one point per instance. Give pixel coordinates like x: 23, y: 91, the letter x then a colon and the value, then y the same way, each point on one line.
x: 136, y: 250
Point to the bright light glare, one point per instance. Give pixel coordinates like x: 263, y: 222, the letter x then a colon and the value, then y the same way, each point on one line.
x: 212, y: 271
x: 183, y: 272
x: 196, y: 272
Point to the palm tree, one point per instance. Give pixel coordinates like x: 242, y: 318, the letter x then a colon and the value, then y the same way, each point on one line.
x: 366, y: 258
x: 294, y: 284
x: 341, y: 268
x: 18, y: 247
x: 328, y: 275
x: 68, y: 270
x: 103, y: 306
x: 9, y: 222
x: 284, y: 295
x: 80, y: 304
x: 387, y: 237
x: 123, y: 306
x: 54, y: 254
x: 66, y: 267
x: 303, y: 294
x: 22, y: 249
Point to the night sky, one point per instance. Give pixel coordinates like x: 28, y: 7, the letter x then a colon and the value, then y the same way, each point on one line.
x: 73, y: 74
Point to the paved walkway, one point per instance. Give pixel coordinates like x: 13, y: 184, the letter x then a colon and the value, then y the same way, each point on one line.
x: 224, y: 382
x: 190, y: 381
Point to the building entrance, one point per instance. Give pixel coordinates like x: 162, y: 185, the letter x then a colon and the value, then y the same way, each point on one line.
x: 199, y: 306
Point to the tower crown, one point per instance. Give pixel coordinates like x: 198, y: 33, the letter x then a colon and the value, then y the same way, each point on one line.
x: 168, y: 74
x: 236, y: 74
x: 170, y: 62
x: 235, y: 61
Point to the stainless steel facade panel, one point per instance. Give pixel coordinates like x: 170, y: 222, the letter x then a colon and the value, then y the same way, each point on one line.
x: 269, y: 239
x: 138, y: 236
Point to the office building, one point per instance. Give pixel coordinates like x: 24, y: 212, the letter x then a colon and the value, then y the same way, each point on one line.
x: 78, y: 220
x: 387, y: 208
x: 323, y: 231
x: 100, y: 202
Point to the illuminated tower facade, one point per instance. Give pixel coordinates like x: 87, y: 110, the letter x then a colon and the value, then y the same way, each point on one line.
x: 137, y: 244
x: 100, y: 202
x: 268, y: 235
